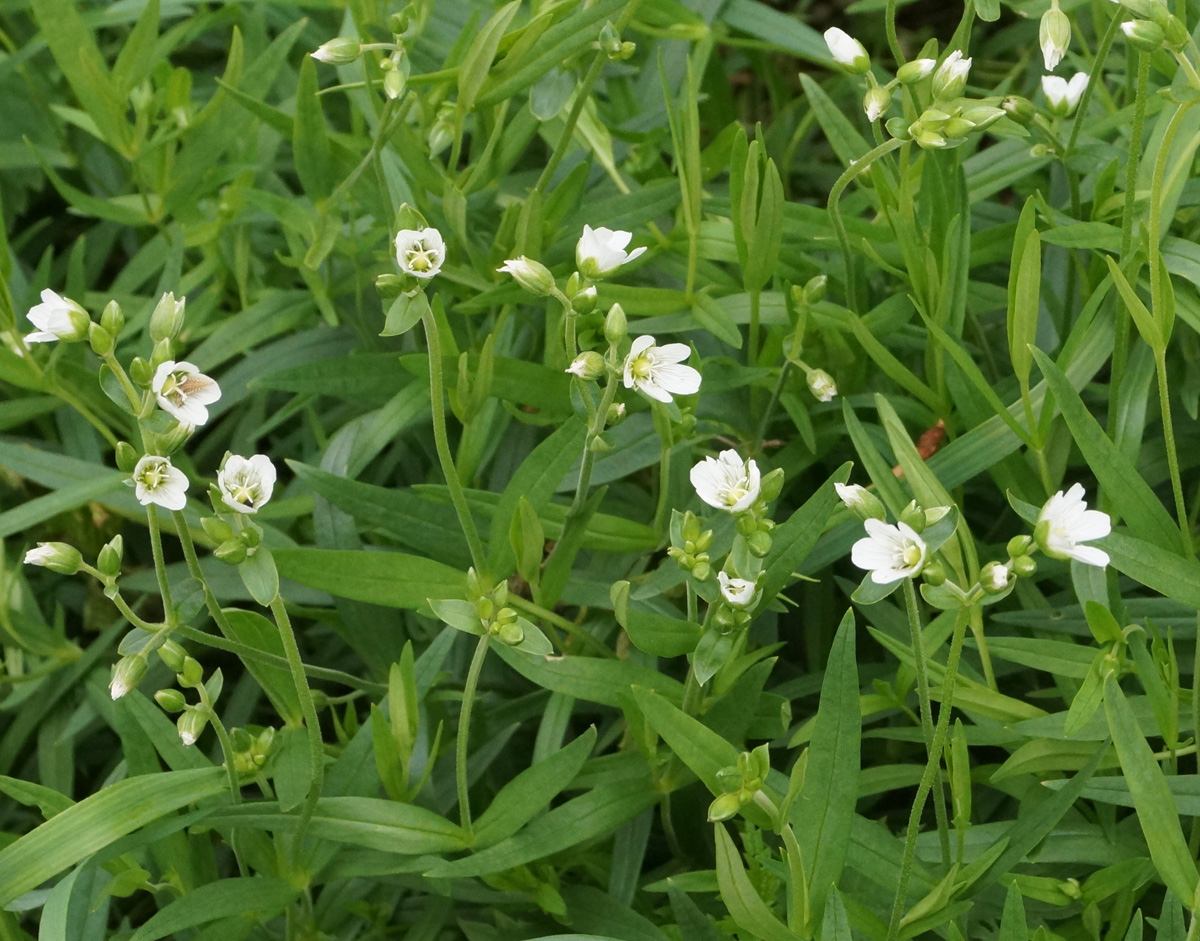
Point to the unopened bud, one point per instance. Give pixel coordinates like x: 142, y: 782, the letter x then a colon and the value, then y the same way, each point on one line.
x: 1176, y: 33
x: 191, y: 725
x: 759, y: 543
x: 899, y: 128
x: 814, y: 289
x: 616, y: 414
x: 126, y: 675
x: 100, y: 340
x: 1019, y: 545
x: 192, y: 673
x: 511, y: 633
x: 1054, y: 35
x: 934, y: 573
x: 1024, y: 566
x: 583, y: 301
x: 1144, y: 35
x: 532, y: 275
x: 394, y: 83
x: 616, y: 327
x: 173, y: 655
x: 876, y: 101
x: 1019, y: 109
x: 994, y: 578
x: 339, y: 51
x: 821, y: 385
x: 950, y: 79
x: 167, y: 319
x: 916, y: 70
x: 112, y: 319
x: 109, y: 559
x: 171, y: 700
x: 588, y: 365
x: 860, y: 501
x: 913, y: 517
x: 140, y: 371
x: 232, y: 551
x: 55, y: 556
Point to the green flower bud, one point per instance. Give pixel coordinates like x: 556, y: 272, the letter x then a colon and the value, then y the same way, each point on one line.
x: 616, y: 414
x: 724, y: 807
x: 339, y: 51
x: 112, y: 319
x: 109, y: 560
x: 759, y: 544
x: 192, y: 673
x: 511, y: 634
x: 899, y: 128
x: 994, y: 578
x: 958, y: 128
x: 127, y: 456
x: 1144, y: 35
x: 1024, y: 566
x: 191, y: 725
x: 588, y: 365
x: 140, y: 372
x: 876, y: 101
x: 950, y: 79
x: 532, y: 275
x: 913, y: 516
x: 934, y: 573
x: 170, y: 700
x: 394, y: 83
x: 615, y: 326
x: 915, y: 71
x: 167, y: 319
x: 173, y: 655
x: 1019, y: 109
x: 217, y: 529
x: 1019, y: 545
x: 232, y: 551
x: 702, y: 570
x: 126, y: 675
x: 55, y: 556
x: 770, y: 485
x: 814, y: 289
x: 610, y: 42
x: 100, y: 340
x: 1176, y: 33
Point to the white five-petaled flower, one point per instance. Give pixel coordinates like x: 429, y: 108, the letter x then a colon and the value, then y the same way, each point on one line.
x: 658, y: 371
x: 1063, y: 96
x: 1065, y: 522
x: 157, y: 481
x: 600, y: 252
x: 739, y: 592
x: 847, y: 51
x: 246, y: 483
x: 727, y: 482
x: 889, y: 553
x: 420, y: 252
x: 183, y: 391
x: 57, y: 318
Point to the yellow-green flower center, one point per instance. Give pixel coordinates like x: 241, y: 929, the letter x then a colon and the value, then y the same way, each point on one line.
x: 642, y: 367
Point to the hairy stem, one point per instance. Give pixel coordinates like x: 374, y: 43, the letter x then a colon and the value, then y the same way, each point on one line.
x: 462, y: 741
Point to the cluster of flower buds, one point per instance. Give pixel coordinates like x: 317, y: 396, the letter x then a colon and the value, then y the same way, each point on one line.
x: 189, y: 675
x: 1156, y: 27
x: 395, y: 66
x: 491, y: 606
x: 689, y: 546
x: 740, y: 783
x: 250, y: 752
x: 611, y: 45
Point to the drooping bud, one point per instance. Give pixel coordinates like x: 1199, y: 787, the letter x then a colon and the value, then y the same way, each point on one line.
x: 1054, y: 35
x: 821, y: 385
x: 173, y: 655
x: 860, y: 501
x: 126, y: 675
x: 339, y: 51
x: 55, y: 556
x: 191, y: 724
x: 1144, y: 35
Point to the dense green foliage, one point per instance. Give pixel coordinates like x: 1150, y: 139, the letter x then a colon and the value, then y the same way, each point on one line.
x: 683, y: 713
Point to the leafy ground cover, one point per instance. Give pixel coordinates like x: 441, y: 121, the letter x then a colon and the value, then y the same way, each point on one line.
x: 794, y: 406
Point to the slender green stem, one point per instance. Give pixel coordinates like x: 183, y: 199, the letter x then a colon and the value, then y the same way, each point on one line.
x: 193, y: 564
x: 160, y: 568
x: 388, y: 119
x: 598, y: 648
x: 1160, y: 363
x: 932, y: 769
x: 235, y: 790
x: 662, y: 424
x: 765, y: 421
x: 308, y: 708
x: 131, y: 616
x: 442, y: 441
x: 135, y: 398
x: 889, y: 23
x: 835, y: 215
x: 1132, y: 162
x: 462, y: 741
x: 691, y: 604
x: 588, y: 461
x: 918, y: 645
x: 752, y: 346
x: 1106, y: 41
x: 582, y: 93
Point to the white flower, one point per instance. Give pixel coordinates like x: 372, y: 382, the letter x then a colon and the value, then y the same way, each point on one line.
x: 420, y: 252
x: 739, y: 592
x: 183, y: 391
x: 57, y: 318
x: 1054, y: 35
x: 727, y: 482
x: 1063, y: 96
x: 889, y: 553
x: 532, y: 275
x: 658, y: 371
x: 821, y: 385
x: 156, y: 481
x: 847, y: 51
x: 246, y: 483
x: 951, y: 78
x: 1065, y: 522
x: 601, y: 251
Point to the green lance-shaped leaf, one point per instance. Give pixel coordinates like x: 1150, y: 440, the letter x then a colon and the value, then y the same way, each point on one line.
x: 258, y: 898
x: 746, y: 907
x: 824, y: 814
x: 310, y: 136
x: 1148, y: 327
x: 473, y: 70
x: 1156, y: 810
x: 92, y: 824
x: 1024, y: 301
